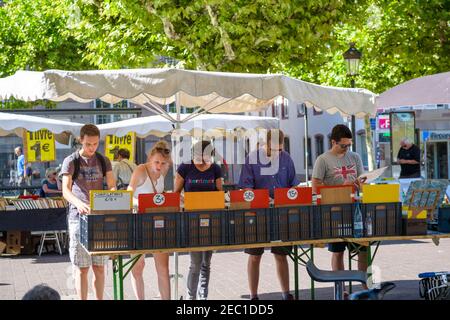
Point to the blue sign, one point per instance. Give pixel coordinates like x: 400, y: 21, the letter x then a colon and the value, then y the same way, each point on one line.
x: 425, y: 135
x: 372, y: 124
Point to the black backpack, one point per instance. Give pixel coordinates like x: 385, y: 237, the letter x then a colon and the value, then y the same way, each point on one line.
x: 77, y: 164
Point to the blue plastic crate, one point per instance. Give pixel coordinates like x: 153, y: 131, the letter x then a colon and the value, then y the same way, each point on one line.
x: 249, y: 226
x: 203, y: 228
x: 444, y: 220
x: 292, y: 223
x: 158, y: 230
x: 107, y: 232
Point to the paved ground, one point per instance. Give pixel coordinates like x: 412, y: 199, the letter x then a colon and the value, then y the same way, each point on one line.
x: 399, y: 262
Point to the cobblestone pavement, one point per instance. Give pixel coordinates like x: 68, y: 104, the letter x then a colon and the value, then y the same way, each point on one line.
x: 395, y: 261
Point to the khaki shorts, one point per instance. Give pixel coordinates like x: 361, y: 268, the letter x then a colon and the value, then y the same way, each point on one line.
x: 78, y: 254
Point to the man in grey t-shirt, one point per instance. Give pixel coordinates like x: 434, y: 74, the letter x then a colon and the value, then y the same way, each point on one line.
x: 338, y: 166
x: 93, y: 168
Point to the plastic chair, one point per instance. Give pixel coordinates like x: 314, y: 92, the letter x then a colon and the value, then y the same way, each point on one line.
x: 338, y: 277
x: 49, y: 236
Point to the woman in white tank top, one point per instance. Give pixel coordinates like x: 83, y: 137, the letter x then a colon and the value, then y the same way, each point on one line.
x: 149, y: 178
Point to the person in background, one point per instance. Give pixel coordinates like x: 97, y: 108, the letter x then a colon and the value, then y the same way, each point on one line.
x: 339, y: 166
x: 149, y: 178
x: 41, y: 292
x: 201, y: 174
x: 21, y: 174
x: 253, y: 176
x: 123, y: 169
x: 83, y: 171
x: 409, y: 159
x: 51, y: 186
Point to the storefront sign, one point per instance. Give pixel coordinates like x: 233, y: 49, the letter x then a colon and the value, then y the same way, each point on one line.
x: 384, y: 122
x: 39, y: 146
x: 438, y: 135
x: 113, y: 144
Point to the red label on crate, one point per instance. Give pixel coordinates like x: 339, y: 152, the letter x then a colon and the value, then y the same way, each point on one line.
x: 256, y: 198
x: 293, y: 196
x: 158, y: 200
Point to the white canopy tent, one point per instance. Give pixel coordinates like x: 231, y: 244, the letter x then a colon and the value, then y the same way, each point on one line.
x: 213, y: 92
x: 11, y: 123
x: 434, y: 89
x: 208, y: 124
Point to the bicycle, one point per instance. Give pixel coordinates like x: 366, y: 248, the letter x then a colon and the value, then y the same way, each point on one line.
x: 435, y: 285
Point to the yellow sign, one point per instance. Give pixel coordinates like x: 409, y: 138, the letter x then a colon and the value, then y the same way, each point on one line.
x: 40, y: 146
x: 113, y: 144
x: 378, y: 193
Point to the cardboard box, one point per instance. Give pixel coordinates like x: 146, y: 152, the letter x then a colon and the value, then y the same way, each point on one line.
x: 292, y: 196
x: 210, y: 200
x: 13, y: 242
x: 335, y: 194
x: 2, y: 247
x: 414, y: 213
x: 414, y: 227
x: 249, y: 199
x: 159, y: 202
x: 379, y: 193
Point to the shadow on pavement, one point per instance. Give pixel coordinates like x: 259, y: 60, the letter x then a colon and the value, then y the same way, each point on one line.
x: 404, y: 290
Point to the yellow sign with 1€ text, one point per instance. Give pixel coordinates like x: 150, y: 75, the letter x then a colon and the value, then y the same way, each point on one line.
x: 40, y: 146
x: 114, y: 143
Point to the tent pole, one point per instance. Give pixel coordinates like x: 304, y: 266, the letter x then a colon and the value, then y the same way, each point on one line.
x: 305, y: 119
x: 175, y: 165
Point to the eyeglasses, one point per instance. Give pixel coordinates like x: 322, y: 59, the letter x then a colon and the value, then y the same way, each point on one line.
x: 345, y: 146
x: 164, y: 150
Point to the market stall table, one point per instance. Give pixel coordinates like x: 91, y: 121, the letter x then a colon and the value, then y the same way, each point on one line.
x: 120, y: 271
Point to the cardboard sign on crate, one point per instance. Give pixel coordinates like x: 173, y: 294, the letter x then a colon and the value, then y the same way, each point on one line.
x: 158, y: 202
x: 208, y: 200
x: 380, y: 193
x: 249, y: 199
x: 292, y: 196
x: 106, y: 201
x: 335, y: 194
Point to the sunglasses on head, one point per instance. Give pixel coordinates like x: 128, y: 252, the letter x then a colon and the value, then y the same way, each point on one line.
x: 164, y: 150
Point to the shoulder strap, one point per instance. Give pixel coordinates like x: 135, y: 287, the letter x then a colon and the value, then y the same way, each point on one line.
x: 150, y: 178
x: 102, y: 160
x: 128, y: 165
x: 76, y: 165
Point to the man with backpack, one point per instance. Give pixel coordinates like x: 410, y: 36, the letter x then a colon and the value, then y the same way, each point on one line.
x: 82, y: 171
x: 123, y: 169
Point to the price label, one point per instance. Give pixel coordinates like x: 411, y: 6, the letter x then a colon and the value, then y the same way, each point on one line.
x: 292, y: 194
x: 159, y: 199
x: 111, y: 200
x: 204, y: 222
x: 159, y: 224
x: 249, y: 196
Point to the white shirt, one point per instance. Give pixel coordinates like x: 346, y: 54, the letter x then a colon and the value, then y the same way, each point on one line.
x: 147, y: 187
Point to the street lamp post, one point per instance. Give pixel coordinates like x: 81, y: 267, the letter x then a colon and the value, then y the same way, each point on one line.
x: 352, y: 57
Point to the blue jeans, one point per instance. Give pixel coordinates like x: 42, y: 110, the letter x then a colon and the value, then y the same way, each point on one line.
x: 198, y: 278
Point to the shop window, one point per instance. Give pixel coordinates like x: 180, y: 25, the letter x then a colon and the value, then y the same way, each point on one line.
x: 319, y: 145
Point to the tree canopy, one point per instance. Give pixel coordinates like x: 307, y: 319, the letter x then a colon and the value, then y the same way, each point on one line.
x: 399, y: 40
